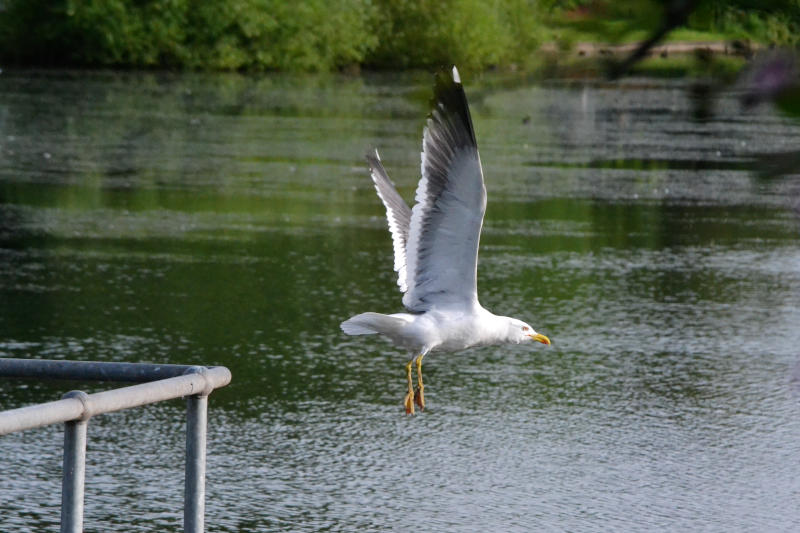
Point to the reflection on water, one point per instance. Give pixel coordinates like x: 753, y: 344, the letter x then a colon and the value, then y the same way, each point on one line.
x: 229, y: 220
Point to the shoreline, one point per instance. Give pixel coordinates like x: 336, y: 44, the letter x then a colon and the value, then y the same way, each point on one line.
x: 736, y: 47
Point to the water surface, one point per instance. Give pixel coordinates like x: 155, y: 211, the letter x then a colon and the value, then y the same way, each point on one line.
x: 222, y: 219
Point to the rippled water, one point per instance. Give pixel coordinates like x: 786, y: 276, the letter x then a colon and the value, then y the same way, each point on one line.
x: 230, y: 220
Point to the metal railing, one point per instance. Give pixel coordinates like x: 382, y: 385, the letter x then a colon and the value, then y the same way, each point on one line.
x: 156, y: 383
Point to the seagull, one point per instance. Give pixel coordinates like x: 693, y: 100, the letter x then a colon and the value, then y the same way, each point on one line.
x: 436, y: 246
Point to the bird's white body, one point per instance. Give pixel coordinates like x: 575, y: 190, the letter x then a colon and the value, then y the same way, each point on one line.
x: 436, y: 244
x: 445, y: 329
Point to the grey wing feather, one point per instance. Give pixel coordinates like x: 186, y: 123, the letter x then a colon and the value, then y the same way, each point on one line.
x: 446, y: 221
x: 398, y: 214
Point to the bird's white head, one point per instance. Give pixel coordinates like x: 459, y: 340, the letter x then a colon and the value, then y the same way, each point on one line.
x: 519, y: 332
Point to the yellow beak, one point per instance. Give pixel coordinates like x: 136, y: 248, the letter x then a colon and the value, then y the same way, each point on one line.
x: 541, y: 338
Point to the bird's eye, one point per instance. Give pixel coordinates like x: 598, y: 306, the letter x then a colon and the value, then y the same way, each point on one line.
x: 525, y: 328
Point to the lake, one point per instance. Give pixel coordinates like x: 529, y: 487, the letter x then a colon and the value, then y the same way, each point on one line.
x: 227, y: 219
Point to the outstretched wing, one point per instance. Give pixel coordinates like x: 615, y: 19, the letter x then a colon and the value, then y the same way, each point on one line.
x: 397, y: 213
x: 445, y: 227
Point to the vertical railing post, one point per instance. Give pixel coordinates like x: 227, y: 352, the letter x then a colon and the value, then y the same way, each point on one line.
x: 194, y: 505
x: 74, y: 470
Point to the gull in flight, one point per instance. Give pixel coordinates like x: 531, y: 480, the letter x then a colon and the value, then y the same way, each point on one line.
x: 436, y: 246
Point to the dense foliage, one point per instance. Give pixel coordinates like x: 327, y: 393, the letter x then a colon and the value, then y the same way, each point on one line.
x: 325, y: 35
x: 471, y: 33
x: 232, y: 34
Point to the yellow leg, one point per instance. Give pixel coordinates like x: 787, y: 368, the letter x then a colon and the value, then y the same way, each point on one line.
x: 419, y: 395
x: 409, y: 401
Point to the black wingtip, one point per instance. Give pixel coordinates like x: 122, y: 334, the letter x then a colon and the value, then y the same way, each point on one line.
x: 448, y: 94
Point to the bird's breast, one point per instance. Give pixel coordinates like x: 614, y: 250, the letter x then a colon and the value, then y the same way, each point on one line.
x: 457, y: 332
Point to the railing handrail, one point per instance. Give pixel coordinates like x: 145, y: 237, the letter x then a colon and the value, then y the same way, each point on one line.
x: 155, y: 383
x: 89, y: 370
x: 201, y: 382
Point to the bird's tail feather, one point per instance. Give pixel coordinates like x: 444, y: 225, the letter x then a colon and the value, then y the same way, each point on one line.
x: 371, y: 323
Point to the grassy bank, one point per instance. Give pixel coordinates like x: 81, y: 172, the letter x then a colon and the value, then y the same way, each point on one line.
x: 317, y: 35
